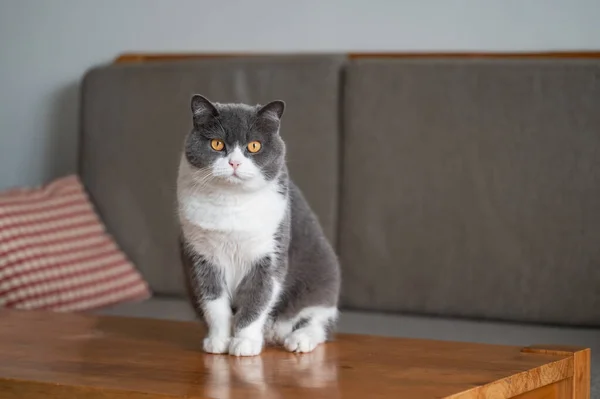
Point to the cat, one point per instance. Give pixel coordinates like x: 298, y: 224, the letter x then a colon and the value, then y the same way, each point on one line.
x: 258, y: 265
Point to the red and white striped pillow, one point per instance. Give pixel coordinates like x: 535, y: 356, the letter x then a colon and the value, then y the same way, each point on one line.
x: 56, y: 255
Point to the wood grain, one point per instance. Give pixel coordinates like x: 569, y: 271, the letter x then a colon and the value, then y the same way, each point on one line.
x: 582, y: 374
x: 77, y: 355
x: 558, y: 390
x: 581, y: 365
x: 152, y: 57
x: 520, y: 383
x: 547, y: 54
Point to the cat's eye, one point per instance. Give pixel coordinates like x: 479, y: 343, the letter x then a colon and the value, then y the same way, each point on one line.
x: 217, y: 145
x: 254, y: 146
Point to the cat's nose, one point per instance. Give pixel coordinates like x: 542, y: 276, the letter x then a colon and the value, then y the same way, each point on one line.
x: 234, y: 164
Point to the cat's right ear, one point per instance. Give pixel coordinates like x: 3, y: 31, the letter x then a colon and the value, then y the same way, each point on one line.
x: 202, y: 107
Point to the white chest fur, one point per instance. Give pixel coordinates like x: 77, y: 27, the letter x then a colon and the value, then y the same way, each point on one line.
x: 231, y: 229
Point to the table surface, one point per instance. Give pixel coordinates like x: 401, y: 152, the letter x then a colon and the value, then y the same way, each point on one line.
x: 81, y: 355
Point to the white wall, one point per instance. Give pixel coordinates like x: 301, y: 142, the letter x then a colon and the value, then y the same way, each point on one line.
x: 46, y: 46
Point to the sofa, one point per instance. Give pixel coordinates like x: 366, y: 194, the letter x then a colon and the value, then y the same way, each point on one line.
x: 461, y: 194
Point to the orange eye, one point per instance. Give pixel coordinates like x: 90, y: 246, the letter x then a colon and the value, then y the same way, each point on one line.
x: 217, y: 144
x: 254, y: 146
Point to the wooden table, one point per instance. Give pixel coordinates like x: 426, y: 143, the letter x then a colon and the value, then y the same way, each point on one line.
x: 52, y: 355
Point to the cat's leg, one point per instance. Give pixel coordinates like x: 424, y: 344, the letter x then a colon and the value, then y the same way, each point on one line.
x: 278, y: 329
x: 282, y: 327
x: 309, y: 328
x: 217, y: 313
x: 211, y: 298
x: 253, y: 300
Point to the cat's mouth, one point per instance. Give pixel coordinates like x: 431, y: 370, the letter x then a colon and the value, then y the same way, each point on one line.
x: 241, y: 176
x: 235, y: 178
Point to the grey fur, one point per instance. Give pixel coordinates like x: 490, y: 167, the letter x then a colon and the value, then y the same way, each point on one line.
x: 301, y: 323
x: 204, y: 281
x: 253, y: 293
x: 303, y: 261
x: 313, y: 274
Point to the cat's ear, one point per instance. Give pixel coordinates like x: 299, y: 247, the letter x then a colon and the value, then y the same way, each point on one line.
x: 273, y: 110
x: 201, y: 106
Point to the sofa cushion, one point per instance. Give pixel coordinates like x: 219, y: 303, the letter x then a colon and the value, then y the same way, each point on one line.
x: 135, y: 118
x: 56, y: 255
x: 157, y: 307
x: 471, y: 188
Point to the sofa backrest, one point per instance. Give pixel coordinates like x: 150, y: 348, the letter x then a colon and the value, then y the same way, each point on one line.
x: 469, y: 187
x: 134, y: 120
x: 472, y: 188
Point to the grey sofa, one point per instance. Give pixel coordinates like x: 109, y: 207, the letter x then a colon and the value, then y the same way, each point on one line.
x: 462, y: 195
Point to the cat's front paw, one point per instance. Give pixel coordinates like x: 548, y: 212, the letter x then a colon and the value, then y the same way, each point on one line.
x: 216, y: 344
x: 245, y: 347
x: 300, y: 341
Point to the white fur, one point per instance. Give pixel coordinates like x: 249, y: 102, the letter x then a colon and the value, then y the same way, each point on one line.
x: 229, y: 224
x: 304, y: 339
x: 218, y: 317
x: 247, y: 176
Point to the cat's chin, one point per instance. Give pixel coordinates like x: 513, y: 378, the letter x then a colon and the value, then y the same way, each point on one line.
x: 240, y: 183
x: 235, y: 179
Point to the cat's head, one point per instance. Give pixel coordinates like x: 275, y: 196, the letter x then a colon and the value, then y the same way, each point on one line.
x: 235, y: 144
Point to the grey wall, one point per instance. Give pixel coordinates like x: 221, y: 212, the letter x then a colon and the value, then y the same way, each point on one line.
x: 46, y: 45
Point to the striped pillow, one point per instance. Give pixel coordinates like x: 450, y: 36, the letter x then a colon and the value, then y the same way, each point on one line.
x: 56, y: 255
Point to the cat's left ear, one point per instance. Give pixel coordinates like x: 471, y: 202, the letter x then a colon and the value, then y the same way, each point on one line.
x: 201, y: 106
x: 273, y: 110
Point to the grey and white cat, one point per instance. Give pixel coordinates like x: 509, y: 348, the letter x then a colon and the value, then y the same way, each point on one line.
x: 258, y: 265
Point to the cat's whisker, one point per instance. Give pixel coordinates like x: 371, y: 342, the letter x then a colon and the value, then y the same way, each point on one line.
x: 199, y: 184
x: 200, y: 178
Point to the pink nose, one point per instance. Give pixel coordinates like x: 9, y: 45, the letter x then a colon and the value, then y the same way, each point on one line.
x: 234, y: 164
